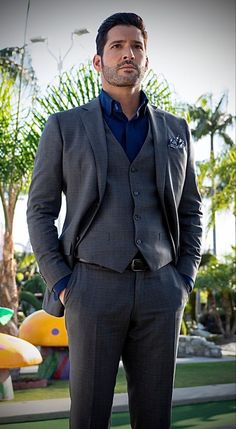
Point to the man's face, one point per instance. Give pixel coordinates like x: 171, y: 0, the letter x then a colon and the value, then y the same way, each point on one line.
x: 124, y: 61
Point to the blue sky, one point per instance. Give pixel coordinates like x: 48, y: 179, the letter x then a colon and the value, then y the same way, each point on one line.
x: 191, y: 43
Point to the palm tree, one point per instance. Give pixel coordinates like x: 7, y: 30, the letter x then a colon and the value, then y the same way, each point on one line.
x: 225, y: 171
x: 210, y: 119
x: 17, y: 84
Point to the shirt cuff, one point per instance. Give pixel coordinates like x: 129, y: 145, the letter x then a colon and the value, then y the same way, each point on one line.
x: 60, y: 286
x: 189, y: 282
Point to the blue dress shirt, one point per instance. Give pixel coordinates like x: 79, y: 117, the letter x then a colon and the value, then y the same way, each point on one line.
x: 131, y: 134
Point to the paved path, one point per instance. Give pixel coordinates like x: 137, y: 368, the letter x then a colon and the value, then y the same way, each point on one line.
x: 196, y: 359
x: 59, y: 408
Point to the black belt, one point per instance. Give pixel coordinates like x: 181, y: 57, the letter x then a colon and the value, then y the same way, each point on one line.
x: 137, y: 264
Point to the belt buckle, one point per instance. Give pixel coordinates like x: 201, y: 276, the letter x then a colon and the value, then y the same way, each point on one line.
x: 137, y: 263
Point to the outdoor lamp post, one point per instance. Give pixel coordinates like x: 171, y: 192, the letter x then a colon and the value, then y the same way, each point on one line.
x: 60, y: 59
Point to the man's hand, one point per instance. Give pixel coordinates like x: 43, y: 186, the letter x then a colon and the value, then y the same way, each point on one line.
x: 61, y: 296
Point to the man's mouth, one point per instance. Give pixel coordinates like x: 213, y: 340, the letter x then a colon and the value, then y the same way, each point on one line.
x: 129, y: 67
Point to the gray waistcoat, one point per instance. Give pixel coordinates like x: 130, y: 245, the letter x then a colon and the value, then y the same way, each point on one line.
x: 130, y: 217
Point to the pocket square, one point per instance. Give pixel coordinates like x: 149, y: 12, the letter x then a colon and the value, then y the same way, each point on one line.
x: 176, y: 142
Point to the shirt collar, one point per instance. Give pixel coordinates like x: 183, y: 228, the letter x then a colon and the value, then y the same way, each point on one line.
x: 111, y: 106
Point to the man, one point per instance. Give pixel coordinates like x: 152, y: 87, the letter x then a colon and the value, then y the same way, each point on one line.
x: 128, y: 254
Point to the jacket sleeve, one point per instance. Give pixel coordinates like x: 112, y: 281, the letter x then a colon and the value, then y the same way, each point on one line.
x: 190, y: 218
x: 44, y: 204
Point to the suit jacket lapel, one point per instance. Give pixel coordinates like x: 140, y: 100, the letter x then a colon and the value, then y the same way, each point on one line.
x: 159, y: 132
x: 92, y: 119
x: 91, y: 116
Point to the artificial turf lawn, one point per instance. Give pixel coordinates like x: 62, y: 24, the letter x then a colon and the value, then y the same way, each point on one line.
x: 203, y: 374
x: 187, y: 375
x: 210, y: 415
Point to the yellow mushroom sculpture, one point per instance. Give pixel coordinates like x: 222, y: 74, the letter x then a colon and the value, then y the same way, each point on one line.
x: 48, y: 332
x: 42, y: 329
x: 14, y: 353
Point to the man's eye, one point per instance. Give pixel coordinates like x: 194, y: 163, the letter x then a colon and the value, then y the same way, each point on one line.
x: 117, y: 45
x: 139, y: 47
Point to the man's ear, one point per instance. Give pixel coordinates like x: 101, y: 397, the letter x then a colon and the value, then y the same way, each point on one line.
x: 97, y: 62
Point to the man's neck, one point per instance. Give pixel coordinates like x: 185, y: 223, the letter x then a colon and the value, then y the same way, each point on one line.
x: 129, y: 98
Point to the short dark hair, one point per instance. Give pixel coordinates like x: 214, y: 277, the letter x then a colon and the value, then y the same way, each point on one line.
x: 122, y: 18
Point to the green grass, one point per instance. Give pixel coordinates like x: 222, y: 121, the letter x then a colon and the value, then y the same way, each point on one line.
x: 211, y: 415
x: 195, y: 374
x: 202, y: 374
x: 187, y: 375
x: 55, y: 389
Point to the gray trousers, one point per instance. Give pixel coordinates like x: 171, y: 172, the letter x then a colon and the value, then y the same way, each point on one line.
x: 133, y: 315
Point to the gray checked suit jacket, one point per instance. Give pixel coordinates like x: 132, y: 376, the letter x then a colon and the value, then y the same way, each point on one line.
x: 72, y: 159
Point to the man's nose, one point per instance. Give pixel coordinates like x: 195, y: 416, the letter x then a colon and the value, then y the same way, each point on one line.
x: 128, y: 54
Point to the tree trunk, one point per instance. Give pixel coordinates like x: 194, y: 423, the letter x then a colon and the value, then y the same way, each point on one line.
x: 227, y: 307
x: 213, y: 191
x: 233, y: 329
x: 213, y: 310
x: 8, y: 287
x: 192, y: 301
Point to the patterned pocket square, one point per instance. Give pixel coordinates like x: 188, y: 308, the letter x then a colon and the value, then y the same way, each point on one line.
x: 176, y: 143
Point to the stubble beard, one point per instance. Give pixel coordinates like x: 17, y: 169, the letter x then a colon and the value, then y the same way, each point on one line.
x: 134, y: 78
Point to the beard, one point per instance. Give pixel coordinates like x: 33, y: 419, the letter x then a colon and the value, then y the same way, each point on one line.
x: 111, y: 74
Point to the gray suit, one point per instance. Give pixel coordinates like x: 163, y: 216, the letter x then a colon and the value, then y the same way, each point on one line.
x: 73, y: 158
